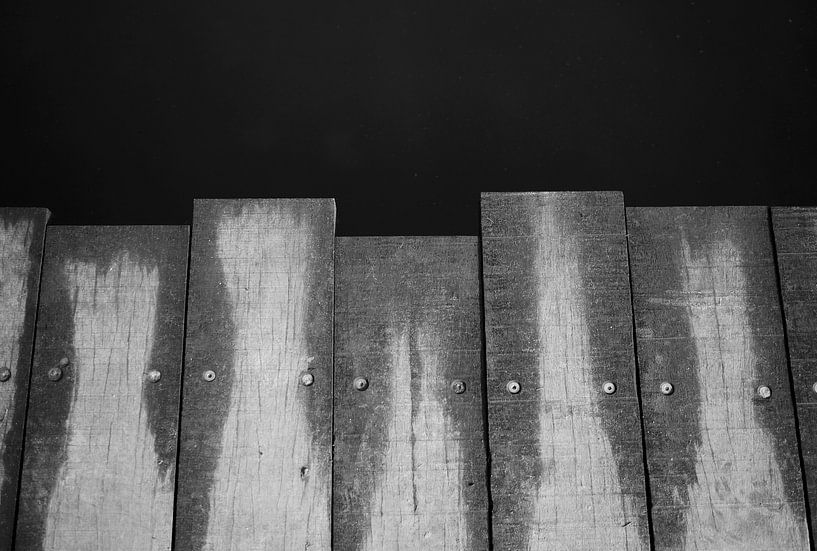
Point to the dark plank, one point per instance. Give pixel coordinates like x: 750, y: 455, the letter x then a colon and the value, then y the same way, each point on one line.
x: 256, y: 445
x: 22, y: 231
x: 795, y: 236
x: 100, y: 450
x: 722, y: 461
x: 409, y: 468
x: 567, y: 462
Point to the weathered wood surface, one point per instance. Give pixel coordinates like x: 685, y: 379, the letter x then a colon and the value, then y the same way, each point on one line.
x: 795, y: 236
x: 100, y: 448
x: 567, y: 461
x: 723, y: 463
x: 409, y: 469
x: 22, y: 231
x: 255, y: 458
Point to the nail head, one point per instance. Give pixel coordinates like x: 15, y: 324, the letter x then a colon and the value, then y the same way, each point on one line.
x: 667, y: 388
x: 209, y: 375
x: 513, y: 387
x: 5, y: 375
x: 814, y: 387
x: 361, y: 383
x: 307, y: 379
x: 55, y: 373
x: 764, y: 392
x: 154, y: 375
x: 458, y: 386
x: 609, y: 387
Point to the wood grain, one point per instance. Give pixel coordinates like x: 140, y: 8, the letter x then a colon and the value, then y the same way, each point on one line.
x: 410, y: 469
x: 722, y: 461
x: 255, y: 459
x: 795, y: 236
x: 100, y: 448
x: 22, y: 232
x: 567, y: 463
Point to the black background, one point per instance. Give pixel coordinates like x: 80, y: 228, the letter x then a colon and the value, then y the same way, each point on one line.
x: 121, y: 112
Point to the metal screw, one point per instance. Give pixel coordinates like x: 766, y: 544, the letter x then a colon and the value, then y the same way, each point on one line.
x: 154, y: 375
x: 361, y: 383
x: 5, y: 375
x: 609, y: 387
x: 513, y: 387
x: 814, y: 388
x: 64, y: 362
x: 458, y: 386
x: 55, y: 373
x: 209, y: 375
x: 764, y: 392
x: 307, y: 379
x: 667, y: 388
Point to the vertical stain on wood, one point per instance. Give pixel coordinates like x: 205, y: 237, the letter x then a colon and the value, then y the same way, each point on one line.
x: 409, y: 460
x: 567, y: 467
x: 99, y: 460
x: 795, y: 236
x: 723, y: 461
x: 255, y: 464
x: 21, y: 248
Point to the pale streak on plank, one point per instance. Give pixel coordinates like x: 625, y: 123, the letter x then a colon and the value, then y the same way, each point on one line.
x: 100, y: 443
x: 409, y: 461
x: 270, y: 485
x: 21, y: 245
x: 557, y: 321
x: 722, y: 461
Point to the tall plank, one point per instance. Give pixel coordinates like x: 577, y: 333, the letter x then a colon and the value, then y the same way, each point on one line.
x: 567, y: 463
x: 255, y: 459
x: 22, y: 231
x: 410, y: 469
x: 722, y: 460
x: 795, y: 236
x: 100, y: 450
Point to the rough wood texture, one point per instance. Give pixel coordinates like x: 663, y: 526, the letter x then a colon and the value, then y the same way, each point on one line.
x: 795, y: 236
x: 100, y: 449
x: 410, y: 468
x: 723, y: 462
x: 255, y: 463
x: 21, y: 249
x: 567, y: 463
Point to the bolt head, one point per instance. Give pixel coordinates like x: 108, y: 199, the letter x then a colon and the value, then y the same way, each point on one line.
x: 667, y: 388
x: 5, y: 375
x: 208, y: 375
x: 55, y: 373
x: 361, y: 383
x: 153, y: 375
x: 513, y: 387
x: 307, y: 379
x: 458, y: 386
x: 764, y: 392
x: 609, y: 387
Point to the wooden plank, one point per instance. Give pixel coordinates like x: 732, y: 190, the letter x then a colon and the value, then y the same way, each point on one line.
x: 256, y: 447
x: 567, y: 463
x: 410, y: 469
x: 22, y: 231
x: 795, y: 236
x: 722, y: 461
x: 100, y: 451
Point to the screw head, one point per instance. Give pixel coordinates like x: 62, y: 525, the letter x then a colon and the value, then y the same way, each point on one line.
x: 458, y: 386
x: 814, y: 387
x: 5, y: 375
x: 764, y: 392
x: 513, y: 387
x: 667, y: 388
x: 307, y: 379
x: 153, y: 375
x: 209, y: 375
x: 361, y: 383
x: 609, y: 387
x: 55, y: 373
